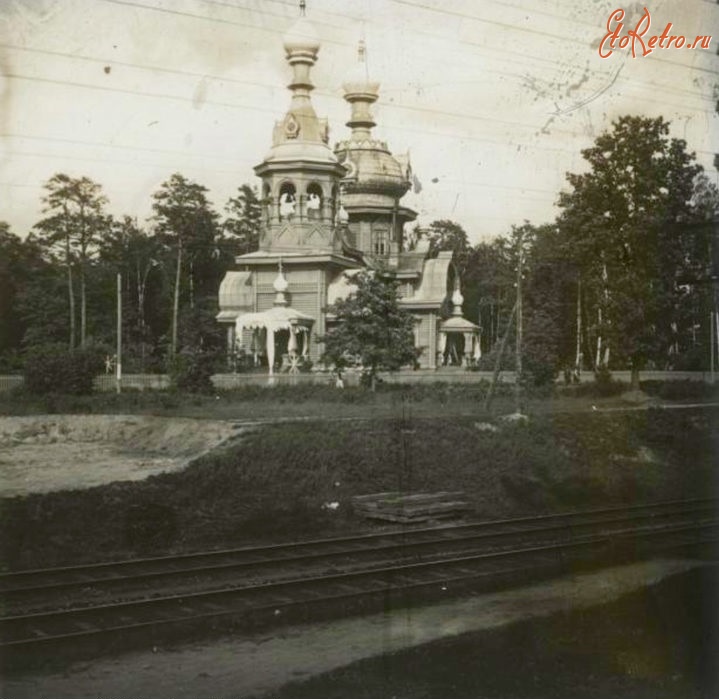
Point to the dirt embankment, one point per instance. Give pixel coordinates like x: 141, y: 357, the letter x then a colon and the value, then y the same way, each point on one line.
x: 47, y: 453
x: 275, y: 483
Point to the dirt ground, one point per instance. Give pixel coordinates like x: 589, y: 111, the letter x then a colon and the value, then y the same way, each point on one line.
x: 236, y: 668
x: 46, y: 453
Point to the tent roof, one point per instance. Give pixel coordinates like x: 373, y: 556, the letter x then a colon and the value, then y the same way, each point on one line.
x: 458, y: 324
x: 276, y: 318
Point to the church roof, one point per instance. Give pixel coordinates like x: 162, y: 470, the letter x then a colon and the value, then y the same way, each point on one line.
x: 371, y: 167
x: 235, y: 295
x: 433, y: 284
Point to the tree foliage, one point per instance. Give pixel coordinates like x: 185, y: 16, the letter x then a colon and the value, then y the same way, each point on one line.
x: 22, y: 270
x: 244, y: 216
x: 60, y: 282
x: 627, y: 223
x: 74, y: 224
x: 370, y: 328
x: 188, y: 225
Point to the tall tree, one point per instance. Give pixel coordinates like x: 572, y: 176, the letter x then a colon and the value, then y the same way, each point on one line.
x: 138, y: 256
x: 615, y: 219
x: 188, y: 224
x: 74, y: 223
x: 488, y: 288
x: 549, y: 306
x: 448, y: 235
x: 371, y: 328
x: 244, y: 217
x: 21, y: 265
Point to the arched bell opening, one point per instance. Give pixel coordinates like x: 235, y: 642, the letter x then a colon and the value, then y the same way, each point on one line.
x: 287, y: 201
x: 315, y: 202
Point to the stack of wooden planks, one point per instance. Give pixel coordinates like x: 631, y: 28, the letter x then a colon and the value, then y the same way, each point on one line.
x: 408, y: 508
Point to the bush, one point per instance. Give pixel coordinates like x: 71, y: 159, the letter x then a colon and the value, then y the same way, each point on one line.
x: 192, y: 370
x: 55, y: 369
x: 680, y: 390
x: 11, y: 362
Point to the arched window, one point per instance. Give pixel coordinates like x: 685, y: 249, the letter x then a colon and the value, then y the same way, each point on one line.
x: 314, y: 201
x: 288, y: 200
x: 380, y: 242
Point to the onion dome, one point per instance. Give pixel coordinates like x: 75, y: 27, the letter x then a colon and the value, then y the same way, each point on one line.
x: 301, y: 38
x: 358, y: 83
x: 301, y: 135
x: 371, y: 167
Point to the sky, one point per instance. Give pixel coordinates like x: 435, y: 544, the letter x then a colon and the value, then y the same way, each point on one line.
x: 493, y: 99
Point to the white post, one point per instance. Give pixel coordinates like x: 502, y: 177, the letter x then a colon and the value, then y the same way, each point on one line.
x: 270, y: 349
x: 118, y: 361
x: 441, y: 348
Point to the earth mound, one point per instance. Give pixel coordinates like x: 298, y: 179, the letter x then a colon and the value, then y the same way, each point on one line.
x: 46, y: 453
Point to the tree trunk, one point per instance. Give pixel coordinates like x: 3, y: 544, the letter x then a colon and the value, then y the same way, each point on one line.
x: 498, y: 361
x: 83, y: 260
x: 192, y: 282
x: 71, y: 298
x: 70, y: 293
x: 578, y: 353
x: 635, y: 377
x: 176, y: 301
x: 83, y: 306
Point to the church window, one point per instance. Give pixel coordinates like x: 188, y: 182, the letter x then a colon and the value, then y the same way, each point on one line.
x: 380, y: 242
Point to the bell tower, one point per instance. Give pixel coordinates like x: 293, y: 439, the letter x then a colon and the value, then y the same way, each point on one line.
x: 300, y: 175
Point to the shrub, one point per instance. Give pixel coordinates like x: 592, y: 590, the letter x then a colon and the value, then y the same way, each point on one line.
x: 192, y: 370
x: 55, y: 369
x: 680, y: 390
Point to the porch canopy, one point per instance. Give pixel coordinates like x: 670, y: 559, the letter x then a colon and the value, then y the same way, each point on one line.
x: 279, y: 317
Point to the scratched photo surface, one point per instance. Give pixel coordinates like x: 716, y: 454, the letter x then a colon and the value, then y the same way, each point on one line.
x: 490, y: 104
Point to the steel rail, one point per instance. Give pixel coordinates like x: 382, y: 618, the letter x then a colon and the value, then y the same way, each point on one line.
x: 24, y: 582
x: 224, y: 602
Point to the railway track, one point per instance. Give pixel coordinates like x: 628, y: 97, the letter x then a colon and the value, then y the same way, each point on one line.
x: 48, y: 607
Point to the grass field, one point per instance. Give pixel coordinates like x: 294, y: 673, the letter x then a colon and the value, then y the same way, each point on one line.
x: 273, y: 482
